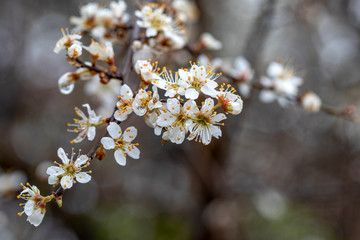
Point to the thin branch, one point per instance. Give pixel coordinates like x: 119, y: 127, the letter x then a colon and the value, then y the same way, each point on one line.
x: 98, y: 70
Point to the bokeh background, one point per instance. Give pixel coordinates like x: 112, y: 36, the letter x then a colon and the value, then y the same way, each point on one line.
x: 277, y: 174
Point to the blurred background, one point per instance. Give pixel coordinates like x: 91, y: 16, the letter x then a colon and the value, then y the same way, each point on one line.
x: 276, y: 174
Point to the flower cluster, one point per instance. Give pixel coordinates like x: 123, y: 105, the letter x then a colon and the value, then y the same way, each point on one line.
x: 163, y: 31
x: 180, y: 115
x: 192, y: 103
x: 104, y: 24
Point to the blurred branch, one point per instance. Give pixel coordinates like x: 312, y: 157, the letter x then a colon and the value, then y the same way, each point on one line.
x: 256, y: 39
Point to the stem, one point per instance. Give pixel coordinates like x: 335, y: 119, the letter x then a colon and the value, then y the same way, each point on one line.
x: 98, y: 70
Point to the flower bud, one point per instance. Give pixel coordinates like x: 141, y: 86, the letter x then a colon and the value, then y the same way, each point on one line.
x: 58, y: 200
x: 75, y: 51
x: 310, y: 102
x: 100, y: 153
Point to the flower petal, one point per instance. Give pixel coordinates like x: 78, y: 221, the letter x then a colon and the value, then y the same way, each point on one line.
x: 82, y: 177
x: 52, y: 179
x: 62, y: 155
x: 207, y: 107
x: 108, y: 143
x: 114, y: 130
x: 126, y: 93
x: 165, y: 120
x: 81, y: 161
x: 130, y: 134
x: 120, y: 157
x: 173, y: 105
x: 66, y: 182
x: 91, y: 133
x: 274, y: 69
x: 36, y: 218
x: 191, y: 94
x: 133, y: 151
x: 29, y: 207
x: 53, y: 170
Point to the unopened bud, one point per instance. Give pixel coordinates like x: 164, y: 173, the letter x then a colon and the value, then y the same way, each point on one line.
x: 59, y: 200
x: 104, y: 79
x: 100, y: 153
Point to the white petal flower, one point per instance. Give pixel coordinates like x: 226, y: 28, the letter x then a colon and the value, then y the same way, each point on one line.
x: 281, y: 85
x: 85, y: 127
x: 35, y: 206
x: 68, y: 170
x: 104, y: 52
x: 124, y: 104
x: 66, y: 41
x: 153, y: 18
x: 198, y: 79
x: 176, y: 119
x: 144, y: 102
x: 230, y: 102
x: 121, y: 142
x: 146, y: 70
x: 204, y: 125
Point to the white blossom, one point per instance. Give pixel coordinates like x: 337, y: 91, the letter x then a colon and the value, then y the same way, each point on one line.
x: 35, y: 206
x: 198, y: 79
x: 153, y: 18
x: 170, y: 83
x: 96, y: 18
x: 146, y: 101
x: 280, y: 85
x: 69, y: 170
x: 101, y: 51
x: 86, y: 126
x: 121, y: 142
x: 66, y: 41
x: 177, y: 119
x: 204, y: 125
x: 230, y: 102
x: 124, y: 104
x: 146, y: 70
